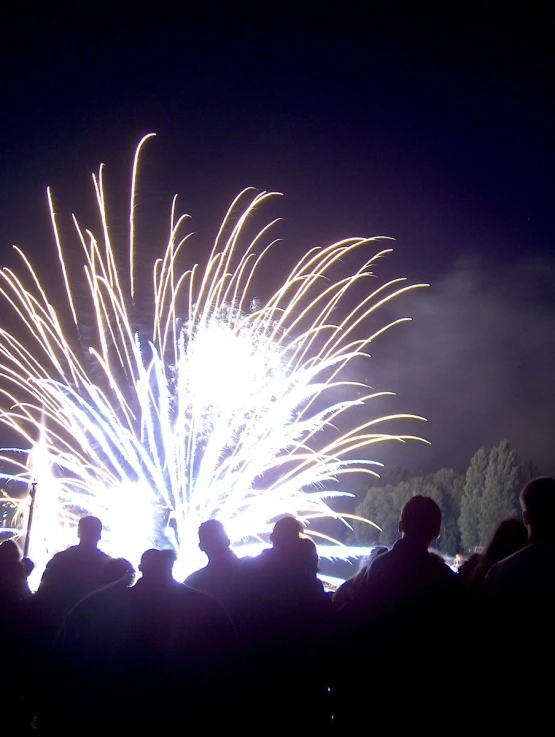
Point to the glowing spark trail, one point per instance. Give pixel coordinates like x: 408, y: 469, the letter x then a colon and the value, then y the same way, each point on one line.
x: 227, y: 405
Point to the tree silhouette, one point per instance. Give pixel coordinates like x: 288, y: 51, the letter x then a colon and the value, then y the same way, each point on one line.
x: 446, y: 487
x: 383, y: 506
x: 501, y: 488
x: 469, y: 520
x: 472, y: 504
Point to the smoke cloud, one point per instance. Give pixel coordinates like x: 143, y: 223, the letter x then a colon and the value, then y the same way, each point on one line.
x: 478, y: 361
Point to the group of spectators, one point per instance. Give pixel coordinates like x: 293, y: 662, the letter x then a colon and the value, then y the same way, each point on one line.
x: 258, y: 643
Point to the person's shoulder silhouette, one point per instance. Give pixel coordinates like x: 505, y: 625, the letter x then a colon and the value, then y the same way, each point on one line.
x: 223, y: 575
x: 70, y: 575
x: 81, y: 562
x: 529, y: 574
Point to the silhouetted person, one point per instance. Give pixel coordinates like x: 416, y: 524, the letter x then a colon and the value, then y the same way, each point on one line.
x: 186, y: 651
x: 143, y: 658
x: 520, y: 594
x: 13, y: 577
x: 289, y: 568
x: 529, y: 574
x: 350, y: 588
x: 291, y: 562
x: 290, y: 622
x: 68, y: 577
x: 400, y: 626
x: 14, y: 592
x: 72, y: 573
x: 117, y: 571
x: 222, y: 577
x: 286, y: 532
x: 509, y: 536
x: 93, y: 661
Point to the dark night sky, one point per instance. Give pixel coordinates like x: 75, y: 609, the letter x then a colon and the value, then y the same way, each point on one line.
x: 432, y: 123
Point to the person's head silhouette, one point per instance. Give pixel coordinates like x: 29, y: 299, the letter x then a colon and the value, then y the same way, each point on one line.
x: 420, y: 520
x: 286, y: 531
x: 89, y: 531
x: 537, y: 500
x: 117, y: 570
x: 509, y: 536
x: 9, y: 552
x: 157, y: 565
x: 213, y: 539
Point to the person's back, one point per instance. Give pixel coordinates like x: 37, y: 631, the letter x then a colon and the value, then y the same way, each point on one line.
x: 527, y: 577
x: 186, y: 647
x: 68, y: 576
x: 90, y: 679
x: 285, y: 579
x: 14, y: 587
x: 351, y: 587
x: 399, y: 625
x: 289, y: 620
x: 520, y: 598
x: 14, y: 592
x: 508, y: 537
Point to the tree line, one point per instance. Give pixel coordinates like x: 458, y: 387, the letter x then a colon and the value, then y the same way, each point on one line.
x: 472, y: 502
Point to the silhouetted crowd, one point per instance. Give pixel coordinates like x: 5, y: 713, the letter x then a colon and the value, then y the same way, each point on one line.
x: 258, y: 643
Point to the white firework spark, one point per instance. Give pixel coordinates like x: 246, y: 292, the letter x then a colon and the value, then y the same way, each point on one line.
x: 227, y: 406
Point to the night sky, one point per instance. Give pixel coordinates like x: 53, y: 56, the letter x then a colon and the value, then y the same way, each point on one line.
x: 431, y: 123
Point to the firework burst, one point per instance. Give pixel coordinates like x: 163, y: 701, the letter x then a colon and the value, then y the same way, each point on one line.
x: 226, y: 405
